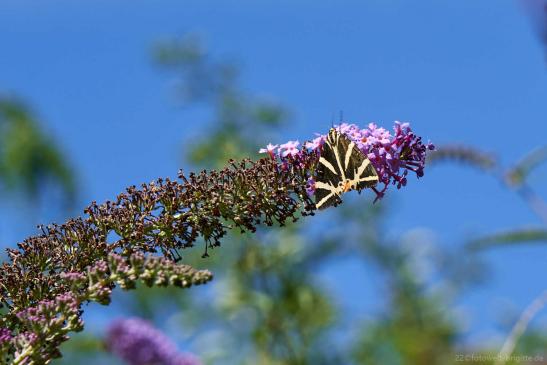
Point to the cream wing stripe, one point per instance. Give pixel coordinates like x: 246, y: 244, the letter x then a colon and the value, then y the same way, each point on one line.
x: 322, y: 185
x: 328, y: 165
x: 363, y: 166
x: 322, y: 201
x: 348, y: 154
x: 335, y: 149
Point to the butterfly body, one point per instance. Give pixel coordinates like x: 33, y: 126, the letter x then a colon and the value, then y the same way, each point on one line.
x: 342, y: 167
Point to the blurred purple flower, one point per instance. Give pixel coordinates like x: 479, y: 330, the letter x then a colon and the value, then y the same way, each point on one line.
x: 137, y: 342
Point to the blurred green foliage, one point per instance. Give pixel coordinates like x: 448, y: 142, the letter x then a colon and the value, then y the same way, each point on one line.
x: 29, y: 159
x: 240, y: 121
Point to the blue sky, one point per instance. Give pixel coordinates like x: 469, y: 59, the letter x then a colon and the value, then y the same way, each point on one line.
x: 463, y: 71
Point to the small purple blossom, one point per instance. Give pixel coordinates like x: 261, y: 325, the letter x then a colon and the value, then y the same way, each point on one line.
x: 62, y: 313
x: 315, y: 143
x: 270, y: 149
x: 72, y: 276
x: 137, y: 342
x: 289, y: 149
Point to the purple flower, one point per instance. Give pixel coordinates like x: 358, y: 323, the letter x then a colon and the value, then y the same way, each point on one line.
x: 270, y: 148
x: 393, y: 156
x: 73, y: 276
x: 289, y: 149
x: 137, y: 342
x: 52, y: 313
x: 315, y: 143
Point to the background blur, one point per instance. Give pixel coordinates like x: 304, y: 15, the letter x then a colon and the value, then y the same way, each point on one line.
x: 99, y: 95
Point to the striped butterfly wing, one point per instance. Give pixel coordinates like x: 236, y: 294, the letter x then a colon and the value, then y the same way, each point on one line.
x: 342, y: 167
x: 328, y: 180
x: 359, y: 170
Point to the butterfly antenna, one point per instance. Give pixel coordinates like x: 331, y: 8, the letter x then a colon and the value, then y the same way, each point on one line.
x: 341, y: 121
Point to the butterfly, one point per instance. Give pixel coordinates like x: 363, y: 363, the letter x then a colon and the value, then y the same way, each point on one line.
x: 342, y: 167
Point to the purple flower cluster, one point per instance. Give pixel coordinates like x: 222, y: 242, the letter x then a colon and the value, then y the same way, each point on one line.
x: 45, y: 325
x: 63, y: 311
x: 137, y: 342
x: 42, y: 328
x: 393, y: 155
x: 73, y: 276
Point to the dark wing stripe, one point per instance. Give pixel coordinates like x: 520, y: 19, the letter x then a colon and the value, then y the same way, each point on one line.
x: 323, y: 198
x: 367, y: 175
x: 338, y: 150
x: 361, y: 173
x: 329, y: 155
x: 328, y: 176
